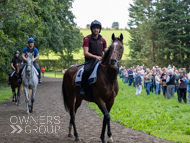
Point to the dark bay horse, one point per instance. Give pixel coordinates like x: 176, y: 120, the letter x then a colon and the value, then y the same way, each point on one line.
x: 104, y: 90
x: 15, y: 85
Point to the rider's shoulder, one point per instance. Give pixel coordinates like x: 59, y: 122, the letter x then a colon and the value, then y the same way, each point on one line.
x: 87, y: 37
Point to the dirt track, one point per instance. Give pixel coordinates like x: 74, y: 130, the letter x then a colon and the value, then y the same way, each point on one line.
x: 49, y: 121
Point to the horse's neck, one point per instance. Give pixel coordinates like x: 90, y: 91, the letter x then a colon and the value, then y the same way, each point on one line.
x: 110, y: 73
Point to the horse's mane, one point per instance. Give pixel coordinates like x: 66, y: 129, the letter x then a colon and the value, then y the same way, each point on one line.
x: 106, y: 55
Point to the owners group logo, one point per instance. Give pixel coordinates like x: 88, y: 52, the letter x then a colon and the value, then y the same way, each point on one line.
x: 39, y: 125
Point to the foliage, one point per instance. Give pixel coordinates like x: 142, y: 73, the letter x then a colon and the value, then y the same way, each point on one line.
x: 115, y: 25
x: 50, y: 22
x: 160, y: 32
x: 152, y: 114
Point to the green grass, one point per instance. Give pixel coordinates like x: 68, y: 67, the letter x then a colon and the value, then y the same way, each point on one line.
x: 52, y: 74
x: 106, y: 34
x: 152, y: 114
x: 5, y: 93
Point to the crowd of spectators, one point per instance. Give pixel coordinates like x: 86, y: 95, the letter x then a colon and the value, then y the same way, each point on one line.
x: 164, y: 81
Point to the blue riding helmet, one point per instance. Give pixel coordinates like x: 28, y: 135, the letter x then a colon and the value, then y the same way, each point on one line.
x: 17, y: 52
x: 31, y: 40
x: 95, y: 23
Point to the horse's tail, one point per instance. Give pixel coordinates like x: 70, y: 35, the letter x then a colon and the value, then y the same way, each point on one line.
x: 65, y: 98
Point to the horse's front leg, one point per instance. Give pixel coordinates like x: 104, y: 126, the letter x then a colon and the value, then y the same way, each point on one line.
x: 27, y: 99
x: 106, y: 119
x: 18, y: 95
x: 33, y: 98
x: 14, y: 94
x: 109, y: 106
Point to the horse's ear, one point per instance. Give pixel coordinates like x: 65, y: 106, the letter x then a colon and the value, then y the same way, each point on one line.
x: 121, y: 37
x: 113, y: 36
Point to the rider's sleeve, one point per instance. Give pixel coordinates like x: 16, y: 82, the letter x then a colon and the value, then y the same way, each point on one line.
x: 36, y: 51
x: 86, y: 42
x: 24, y: 51
x: 105, y: 44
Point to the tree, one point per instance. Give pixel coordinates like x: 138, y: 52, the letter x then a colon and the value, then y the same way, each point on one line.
x: 115, y: 25
x: 88, y: 26
x: 50, y: 22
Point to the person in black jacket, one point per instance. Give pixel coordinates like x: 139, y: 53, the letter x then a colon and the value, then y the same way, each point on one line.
x: 15, y: 60
x: 182, y: 87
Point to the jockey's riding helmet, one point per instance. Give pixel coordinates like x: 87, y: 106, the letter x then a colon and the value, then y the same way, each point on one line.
x: 17, y: 52
x: 95, y: 23
x: 31, y: 40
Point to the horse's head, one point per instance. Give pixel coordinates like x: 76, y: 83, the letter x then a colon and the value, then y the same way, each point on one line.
x: 17, y: 67
x: 116, y: 51
x: 29, y: 61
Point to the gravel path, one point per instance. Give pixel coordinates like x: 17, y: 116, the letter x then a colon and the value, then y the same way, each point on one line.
x: 49, y: 121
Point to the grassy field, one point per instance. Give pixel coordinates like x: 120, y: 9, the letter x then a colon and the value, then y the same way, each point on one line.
x: 107, y: 35
x: 152, y: 114
x: 52, y: 74
x: 5, y: 93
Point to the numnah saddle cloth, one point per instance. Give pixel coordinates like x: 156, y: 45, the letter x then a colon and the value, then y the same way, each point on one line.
x: 33, y: 68
x: 92, y: 78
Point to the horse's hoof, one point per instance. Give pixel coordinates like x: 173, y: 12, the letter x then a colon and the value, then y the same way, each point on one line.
x: 28, y: 112
x: 70, y: 135
x: 78, y: 140
x: 110, y: 141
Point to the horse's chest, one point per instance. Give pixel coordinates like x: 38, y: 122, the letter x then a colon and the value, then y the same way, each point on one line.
x: 29, y: 83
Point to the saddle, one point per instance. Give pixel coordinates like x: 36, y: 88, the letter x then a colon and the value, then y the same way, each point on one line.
x: 93, y: 76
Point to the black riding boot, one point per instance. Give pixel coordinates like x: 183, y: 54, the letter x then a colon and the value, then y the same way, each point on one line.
x: 39, y: 78
x: 82, y: 90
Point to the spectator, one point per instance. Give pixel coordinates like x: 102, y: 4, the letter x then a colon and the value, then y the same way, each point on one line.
x: 169, y: 67
x: 134, y: 77
x: 182, y: 87
x: 157, y: 80
x: 138, y: 83
x: 170, y: 81
x: 130, y: 76
x: 147, y: 80
x: 125, y: 76
x: 164, y: 85
x: 188, y: 87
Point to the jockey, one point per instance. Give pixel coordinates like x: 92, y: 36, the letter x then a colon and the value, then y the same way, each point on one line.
x: 30, y: 49
x: 93, y: 45
x: 15, y: 60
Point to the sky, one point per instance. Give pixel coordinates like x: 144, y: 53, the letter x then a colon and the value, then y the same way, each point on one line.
x: 105, y: 11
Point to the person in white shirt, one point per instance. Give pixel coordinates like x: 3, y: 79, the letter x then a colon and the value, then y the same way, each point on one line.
x: 157, y: 80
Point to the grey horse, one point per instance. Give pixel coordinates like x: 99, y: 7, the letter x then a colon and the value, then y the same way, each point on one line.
x: 30, y: 81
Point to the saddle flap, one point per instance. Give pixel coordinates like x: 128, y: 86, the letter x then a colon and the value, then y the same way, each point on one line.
x: 92, y: 78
